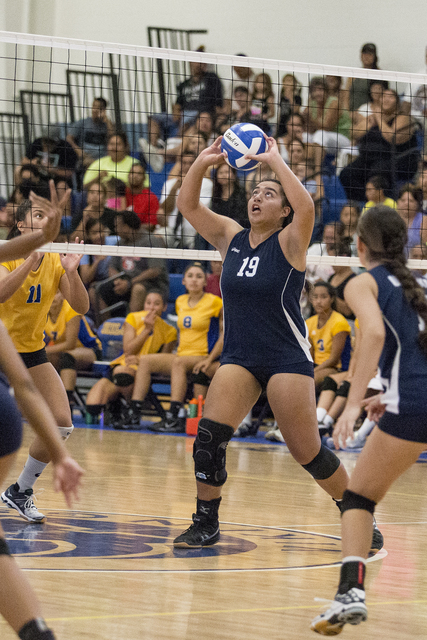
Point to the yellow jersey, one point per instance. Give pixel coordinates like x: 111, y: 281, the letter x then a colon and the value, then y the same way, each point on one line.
x: 25, y: 313
x: 55, y: 331
x: 163, y: 333
x: 199, y: 325
x: 321, y: 339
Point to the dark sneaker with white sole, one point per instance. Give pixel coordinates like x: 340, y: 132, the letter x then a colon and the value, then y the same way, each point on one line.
x: 23, y: 502
x: 201, y: 533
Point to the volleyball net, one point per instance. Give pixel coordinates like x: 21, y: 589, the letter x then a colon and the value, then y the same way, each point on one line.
x: 91, y: 114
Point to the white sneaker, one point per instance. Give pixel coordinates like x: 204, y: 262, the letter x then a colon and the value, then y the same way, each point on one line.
x: 156, y: 161
x: 347, y: 608
x: 275, y: 435
x: 355, y: 443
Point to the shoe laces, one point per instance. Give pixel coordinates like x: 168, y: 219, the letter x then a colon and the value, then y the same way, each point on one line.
x: 29, y: 503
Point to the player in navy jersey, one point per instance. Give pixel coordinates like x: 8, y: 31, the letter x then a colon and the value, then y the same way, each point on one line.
x: 392, y: 311
x: 265, y: 337
x: 18, y: 603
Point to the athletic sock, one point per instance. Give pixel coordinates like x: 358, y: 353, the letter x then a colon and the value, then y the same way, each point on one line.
x: 321, y: 413
x: 352, y: 574
x: 32, y: 470
x: 328, y: 421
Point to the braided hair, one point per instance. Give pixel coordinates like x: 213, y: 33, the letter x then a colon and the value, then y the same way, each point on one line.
x: 384, y: 233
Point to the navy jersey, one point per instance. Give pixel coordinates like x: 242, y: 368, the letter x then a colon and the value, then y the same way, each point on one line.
x: 402, y: 364
x: 263, y: 324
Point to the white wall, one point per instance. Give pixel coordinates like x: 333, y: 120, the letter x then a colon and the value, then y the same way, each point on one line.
x: 324, y: 31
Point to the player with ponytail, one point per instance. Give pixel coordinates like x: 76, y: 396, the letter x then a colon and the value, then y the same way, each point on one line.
x: 392, y: 311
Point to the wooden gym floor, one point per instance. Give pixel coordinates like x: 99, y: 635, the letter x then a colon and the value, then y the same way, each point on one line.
x: 107, y: 570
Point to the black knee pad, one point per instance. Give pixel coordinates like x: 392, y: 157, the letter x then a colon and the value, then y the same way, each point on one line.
x: 329, y: 384
x: 4, y: 549
x: 123, y: 379
x: 67, y: 361
x: 200, y: 378
x: 351, y: 500
x: 324, y: 465
x: 209, y: 452
x: 343, y: 389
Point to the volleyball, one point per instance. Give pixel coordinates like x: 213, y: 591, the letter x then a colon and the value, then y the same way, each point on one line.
x: 241, y: 139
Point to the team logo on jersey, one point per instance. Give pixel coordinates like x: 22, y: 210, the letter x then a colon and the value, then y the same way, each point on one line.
x: 234, y: 249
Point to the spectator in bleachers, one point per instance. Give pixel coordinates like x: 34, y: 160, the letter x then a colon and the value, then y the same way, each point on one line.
x: 201, y: 92
x: 327, y: 124
x: 341, y: 275
x: 349, y: 218
x: 89, y: 136
x: 52, y: 156
x: 261, y: 103
x: 192, y: 142
x: 375, y: 193
x: 419, y: 252
x: 213, y: 279
x: 359, y: 87
x: 414, y: 96
x: 236, y: 113
x: 116, y: 194
x: 410, y: 209
x: 7, y: 217
x: 71, y: 345
x: 388, y: 148
x: 29, y: 178
x: 140, y: 274
x: 116, y: 164
x: 240, y: 76
x: 145, y: 332
x: 422, y: 183
x: 332, y: 234
x: 289, y: 102
x: 140, y: 199
x: 178, y: 232
x: 376, y: 89
x: 228, y: 196
x: 205, y: 126
x: 95, y: 268
x: 96, y: 199
x: 296, y: 131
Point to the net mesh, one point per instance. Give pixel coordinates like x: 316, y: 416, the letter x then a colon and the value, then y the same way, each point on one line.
x: 360, y: 138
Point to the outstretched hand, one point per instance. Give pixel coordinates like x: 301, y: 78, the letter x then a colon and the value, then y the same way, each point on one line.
x: 70, y: 261
x: 213, y: 154
x: 52, y: 210
x: 374, y: 406
x: 67, y: 477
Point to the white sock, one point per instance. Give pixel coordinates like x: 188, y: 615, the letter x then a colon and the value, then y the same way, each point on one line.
x: 328, y: 421
x: 321, y: 413
x: 354, y: 559
x: 32, y: 470
x: 365, y: 429
x: 248, y: 419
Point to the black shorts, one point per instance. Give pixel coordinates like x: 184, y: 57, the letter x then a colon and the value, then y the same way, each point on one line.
x: 406, y: 427
x: 264, y: 373
x: 10, y: 421
x: 110, y: 297
x: 33, y: 358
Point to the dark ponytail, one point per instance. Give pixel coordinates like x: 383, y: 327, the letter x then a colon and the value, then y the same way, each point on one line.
x: 385, y: 235
x: 20, y: 215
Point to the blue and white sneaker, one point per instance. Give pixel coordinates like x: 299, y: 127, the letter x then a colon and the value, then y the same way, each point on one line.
x: 347, y: 608
x: 23, y: 502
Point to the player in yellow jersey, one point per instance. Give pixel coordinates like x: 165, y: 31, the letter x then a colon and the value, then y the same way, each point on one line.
x: 145, y: 332
x: 328, y: 332
x: 27, y: 288
x: 71, y: 345
x: 18, y: 603
x: 200, y: 342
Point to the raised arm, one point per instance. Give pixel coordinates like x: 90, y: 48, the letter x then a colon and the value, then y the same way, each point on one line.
x: 295, y: 238
x: 217, y: 230
x: 71, y: 285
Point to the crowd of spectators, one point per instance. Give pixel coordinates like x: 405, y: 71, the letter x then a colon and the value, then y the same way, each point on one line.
x: 363, y: 132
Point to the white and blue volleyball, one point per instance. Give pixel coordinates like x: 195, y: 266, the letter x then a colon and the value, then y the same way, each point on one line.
x: 241, y: 139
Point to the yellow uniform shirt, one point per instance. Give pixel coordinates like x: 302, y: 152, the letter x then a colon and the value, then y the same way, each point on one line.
x: 25, y: 313
x: 321, y: 339
x: 388, y: 202
x: 163, y: 333
x: 198, y: 326
x: 55, y: 331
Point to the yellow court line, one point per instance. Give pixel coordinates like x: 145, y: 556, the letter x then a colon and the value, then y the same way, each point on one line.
x: 222, y: 611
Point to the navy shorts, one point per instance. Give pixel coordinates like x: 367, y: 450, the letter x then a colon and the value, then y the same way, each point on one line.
x: 265, y: 372
x: 406, y: 427
x: 10, y: 422
x: 34, y: 358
